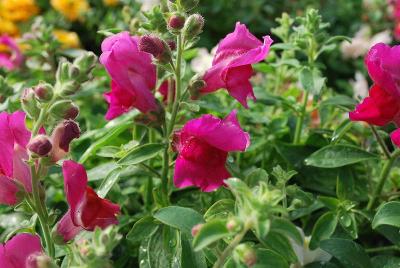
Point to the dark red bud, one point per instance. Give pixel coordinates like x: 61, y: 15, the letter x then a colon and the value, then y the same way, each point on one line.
x: 71, y: 131
x: 40, y: 145
x: 152, y: 45
x: 72, y: 112
x: 43, y: 92
x: 176, y: 22
x: 171, y: 44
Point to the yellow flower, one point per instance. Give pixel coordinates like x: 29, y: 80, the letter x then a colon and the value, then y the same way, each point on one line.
x: 111, y: 2
x: 67, y: 39
x: 8, y: 27
x: 71, y: 9
x: 18, y: 10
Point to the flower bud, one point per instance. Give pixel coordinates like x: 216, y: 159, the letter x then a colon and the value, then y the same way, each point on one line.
x: 233, y: 225
x: 171, y: 44
x: 69, y: 88
x: 246, y: 254
x: 40, y: 145
x: 40, y: 260
x: 65, y: 109
x: 195, y: 85
x: 196, y: 229
x: 176, y: 23
x: 193, y: 26
x: 61, y: 138
x: 86, y: 62
x: 29, y: 103
x: 156, y: 47
x: 44, y: 92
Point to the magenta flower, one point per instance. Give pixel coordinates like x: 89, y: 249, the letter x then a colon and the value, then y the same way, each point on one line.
x: 379, y: 108
x: 382, y: 106
x: 86, y: 209
x: 231, y: 67
x: 16, y: 252
x: 11, y: 58
x: 395, y: 136
x: 133, y: 75
x: 14, y: 171
x: 203, y: 145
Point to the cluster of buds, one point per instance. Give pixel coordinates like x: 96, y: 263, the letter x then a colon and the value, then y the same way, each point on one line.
x: 71, y: 75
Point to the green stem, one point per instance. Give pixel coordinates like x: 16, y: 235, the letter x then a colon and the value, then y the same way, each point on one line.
x: 382, y: 179
x: 169, y: 127
x: 41, y: 212
x: 228, y: 250
x: 379, y: 249
x: 300, y: 119
x: 380, y: 141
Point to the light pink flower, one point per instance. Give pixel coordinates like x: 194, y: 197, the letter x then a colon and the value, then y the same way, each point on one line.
x: 133, y: 75
x: 11, y: 58
x: 86, y: 209
x: 15, y: 253
x: 203, y: 145
x: 14, y: 171
x: 231, y: 67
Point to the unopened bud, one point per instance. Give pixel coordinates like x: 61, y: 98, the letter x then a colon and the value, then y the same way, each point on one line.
x: 196, y: 229
x: 171, y: 44
x: 86, y: 62
x: 246, y: 254
x: 69, y: 88
x: 195, y: 86
x: 232, y: 225
x: 65, y: 109
x: 62, y: 136
x: 40, y: 145
x: 29, y: 103
x: 155, y: 46
x: 40, y: 260
x: 188, y: 5
x: 176, y: 23
x: 44, y: 92
x: 193, y: 26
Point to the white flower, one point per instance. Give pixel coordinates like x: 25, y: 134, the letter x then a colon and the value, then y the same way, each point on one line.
x: 147, y: 5
x: 360, y: 86
x: 362, y: 42
x: 203, y: 61
x: 305, y: 255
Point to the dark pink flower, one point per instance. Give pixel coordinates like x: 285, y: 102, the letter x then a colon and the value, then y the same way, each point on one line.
x: 12, y: 57
x: 86, y: 209
x: 231, y: 67
x: 15, y: 253
x: 395, y: 136
x: 379, y: 108
x: 164, y: 88
x: 133, y: 75
x: 14, y: 171
x: 203, y: 145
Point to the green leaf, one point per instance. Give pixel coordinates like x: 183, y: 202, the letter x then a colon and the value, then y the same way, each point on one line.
x: 190, y: 258
x: 349, y: 253
x: 341, y: 130
x: 103, y: 141
x: 323, y: 229
x: 220, y: 209
x: 256, y: 176
x: 179, y: 217
x: 339, y: 155
x: 101, y: 171
x: 142, y: 229
x: 311, y: 80
x: 106, y: 185
x: 141, y: 153
x: 341, y: 101
x: 280, y: 244
x: 388, y: 214
x: 286, y: 228
x: 209, y: 233
x: 385, y: 261
x: 268, y: 259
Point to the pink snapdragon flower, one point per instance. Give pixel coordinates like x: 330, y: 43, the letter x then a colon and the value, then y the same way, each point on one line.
x: 382, y: 106
x: 14, y: 171
x: 16, y: 252
x: 203, y: 145
x: 231, y: 67
x: 133, y: 75
x: 86, y: 209
x: 10, y: 54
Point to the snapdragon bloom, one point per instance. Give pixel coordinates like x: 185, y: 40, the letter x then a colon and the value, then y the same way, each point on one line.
x: 16, y: 252
x: 10, y: 54
x: 132, y: 73
x: 14, y: 171
x: 86, y: 209
x: 382, y: 106
x: 231, y: 67
x: 203, y: 145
